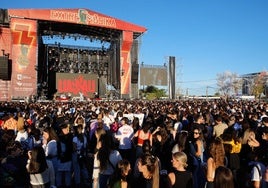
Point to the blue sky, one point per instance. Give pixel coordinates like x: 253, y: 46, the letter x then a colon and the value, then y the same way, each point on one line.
x: 207, y: 37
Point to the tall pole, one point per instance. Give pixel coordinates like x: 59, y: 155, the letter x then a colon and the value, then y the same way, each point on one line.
x: 172, y: 77
x: 207, y: 92
x: 98, y: 72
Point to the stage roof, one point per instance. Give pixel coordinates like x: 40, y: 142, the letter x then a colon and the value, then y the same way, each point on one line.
x: 78, y: 21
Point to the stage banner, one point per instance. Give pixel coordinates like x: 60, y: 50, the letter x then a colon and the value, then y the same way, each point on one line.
x: 76, y: 16
x: 5, y: 44
x: 126, y: 62
x: 24, y: 58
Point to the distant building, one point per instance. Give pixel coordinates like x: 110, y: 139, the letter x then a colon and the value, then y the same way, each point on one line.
x: 248, y: 82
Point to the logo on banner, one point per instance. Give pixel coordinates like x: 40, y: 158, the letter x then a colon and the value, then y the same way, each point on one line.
x: 24, y: 39
x: 82, y: 16
x: 23, y: 59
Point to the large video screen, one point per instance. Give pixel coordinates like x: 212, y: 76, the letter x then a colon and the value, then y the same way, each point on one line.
x: 87, y: 84
x: 153, y: 76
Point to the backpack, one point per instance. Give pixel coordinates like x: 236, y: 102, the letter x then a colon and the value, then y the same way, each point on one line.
x: 249, y: 183
x: 114, y: 127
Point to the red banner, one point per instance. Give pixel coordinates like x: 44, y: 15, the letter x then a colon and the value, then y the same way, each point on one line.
x: 125, y: 62
x: 77, y: 16
x: 24, y: 58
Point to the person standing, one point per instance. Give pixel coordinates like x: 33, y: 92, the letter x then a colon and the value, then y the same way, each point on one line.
x: 105, y: 161
x: 197, y: 150
x: 216, y: 157
x: 141, y: 135
x: 50, y: 139
x: 199, y: 122
x: 79, y: 157
x: 124, y: 135
x: 40, y: 169
x: 13, y: 171
x: 22, y: 134
x: 223, y: 178
x: 220, y: 126
x: 148, y: 166
x: 180, y: 177
x: 120, y: 178
x: 65, y: 150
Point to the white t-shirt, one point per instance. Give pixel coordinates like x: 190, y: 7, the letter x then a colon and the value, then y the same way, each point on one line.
x: 257, y: 172
x: 21, y: 136
x: 124, y: 134
x: 42, y: 178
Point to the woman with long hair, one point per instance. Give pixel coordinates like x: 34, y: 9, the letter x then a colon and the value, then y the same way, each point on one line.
x: 216, y: 156
x: 50, y: 139
x: 249, y: 144
x: 162, y: 146
x: 40, y: 169
x: 180, y: 141
x: 141, y: 135
x: 149, y: 168
x: 79, y: 156
x: 105, y: 161
x: 146, y: 149
x: 223, y: 178
x: 120, y: 179
x: 197, y: 148
x: 65, y: 151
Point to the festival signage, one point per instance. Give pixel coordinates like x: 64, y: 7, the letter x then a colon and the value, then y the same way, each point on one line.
x: 76, y: 16
x: 24, y: 57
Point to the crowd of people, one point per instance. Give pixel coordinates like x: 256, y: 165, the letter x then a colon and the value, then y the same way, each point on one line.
x: 134, y: 143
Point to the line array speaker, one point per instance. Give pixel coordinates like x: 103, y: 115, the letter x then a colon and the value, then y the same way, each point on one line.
x: 5, y: 68
x: 135, y: 73
x: 3, y: 16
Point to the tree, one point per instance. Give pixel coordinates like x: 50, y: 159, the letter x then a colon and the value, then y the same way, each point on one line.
x: 228, y: 83
x: 259, y: 84
x: 151, y: 89
x: 152, y: 92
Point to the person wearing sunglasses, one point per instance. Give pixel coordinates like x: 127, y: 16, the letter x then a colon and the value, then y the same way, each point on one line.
x: 197, y: 148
